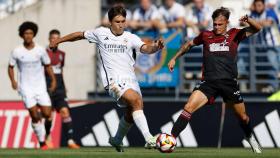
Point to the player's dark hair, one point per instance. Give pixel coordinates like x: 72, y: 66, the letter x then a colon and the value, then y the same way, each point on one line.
x: 54, y: 31
x: 115, y: 11
x: 263, y: 1
x: 26, y: 26
x: 221, y: 11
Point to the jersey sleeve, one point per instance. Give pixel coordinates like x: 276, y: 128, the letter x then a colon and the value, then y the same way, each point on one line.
x: 91, y: 36
x: 13, y: 59
x: 137, y: 43
x: 181, y: 12
x: 240, y: 34
x: 198, y: 39
x: 45, y: 59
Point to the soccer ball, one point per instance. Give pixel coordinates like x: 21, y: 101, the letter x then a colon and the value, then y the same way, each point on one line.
x: 166, y: 143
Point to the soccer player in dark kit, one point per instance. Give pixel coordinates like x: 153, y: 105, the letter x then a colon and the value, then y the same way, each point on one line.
x: 219, y: 71
x: 59, y: 97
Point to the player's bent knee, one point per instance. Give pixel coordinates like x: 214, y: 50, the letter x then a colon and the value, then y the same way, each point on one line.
x: 189, y: 107
x: 64, y: 112
x: 137, y: 104
x: 244, y: 118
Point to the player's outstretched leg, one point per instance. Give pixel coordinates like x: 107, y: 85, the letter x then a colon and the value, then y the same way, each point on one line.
x: 134, y: 101
x: 196, y: 100
x: 123, y: 129
x: 181, y: 123
x: 244, y: 122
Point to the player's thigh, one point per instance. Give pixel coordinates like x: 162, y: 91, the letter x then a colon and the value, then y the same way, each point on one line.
x: 34, y: 114
x: 132, y: 98
x: 59, y: 102
x: 196, y: 101
x: 44, y: 101
x: 230, y: 93
x: 64, y: 112
x: 29, y: 100
x: 240, y: 111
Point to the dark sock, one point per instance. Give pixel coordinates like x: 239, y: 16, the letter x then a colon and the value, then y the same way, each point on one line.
x: 42, y: 144
x: 181, y: 123
x: 68, y: 127
x: 48, y: 126
x: 246, y: 127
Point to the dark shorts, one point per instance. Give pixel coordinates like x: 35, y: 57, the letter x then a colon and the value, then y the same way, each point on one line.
x: 59, y: 100
x: 227, y: 89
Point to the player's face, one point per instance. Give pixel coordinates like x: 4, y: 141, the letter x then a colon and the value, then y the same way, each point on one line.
x: 145, y: 4
x: 220, y: 25
x: 28, y: 36
x: 259, y: 6
x: 198, y: 4
x: 169, y: 3
x: 53, y: 37
x: 118, y: 24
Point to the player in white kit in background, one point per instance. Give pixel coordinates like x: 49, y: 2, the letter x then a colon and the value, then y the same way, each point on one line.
x: 116, y: 53
x: 30, y: 59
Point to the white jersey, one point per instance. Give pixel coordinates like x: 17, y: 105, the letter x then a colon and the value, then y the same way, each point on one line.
x: 151, y: 14
x: 117, y: 63
x: 173, y: 13
x: 30, y: 66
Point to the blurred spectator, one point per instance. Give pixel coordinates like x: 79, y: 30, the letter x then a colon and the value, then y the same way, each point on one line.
x: 173, y: 14
x: 145, y: 17
x: 105, y: 21
x: 269, y: 36
x: 198, y: 18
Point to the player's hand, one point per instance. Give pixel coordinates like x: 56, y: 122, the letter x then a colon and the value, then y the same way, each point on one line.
x: 244, y: 18
x: 14, y: 85
x: 171, y: 64
x: 52, y: 87
x: 159, y: 43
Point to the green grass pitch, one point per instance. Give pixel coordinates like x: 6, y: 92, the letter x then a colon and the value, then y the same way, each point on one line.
x: 101, y: 152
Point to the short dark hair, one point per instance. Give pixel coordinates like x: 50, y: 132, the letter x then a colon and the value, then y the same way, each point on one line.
x: 54, y: 31
x: 221, y: 11
x: 263, y: 1
x: 26, y: 26
x: 115, y: 11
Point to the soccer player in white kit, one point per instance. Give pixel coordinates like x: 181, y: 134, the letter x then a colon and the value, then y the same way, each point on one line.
x: 31, y: 59
x: 116, y: 53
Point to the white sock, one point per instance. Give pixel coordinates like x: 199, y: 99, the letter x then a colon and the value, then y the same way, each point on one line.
x: 141, y: 122
x: 123, y: 128
x: 39, y: 130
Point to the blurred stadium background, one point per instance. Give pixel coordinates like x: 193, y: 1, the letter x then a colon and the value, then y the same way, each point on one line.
x: 94, y: 113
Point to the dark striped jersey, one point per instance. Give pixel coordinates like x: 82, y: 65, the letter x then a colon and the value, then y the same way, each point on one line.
x: 220, y: 53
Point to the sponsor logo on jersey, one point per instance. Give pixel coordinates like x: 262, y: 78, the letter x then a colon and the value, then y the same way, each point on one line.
x: 218, y: 47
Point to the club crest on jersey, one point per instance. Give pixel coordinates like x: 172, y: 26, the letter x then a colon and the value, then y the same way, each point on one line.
x: 125, y: 41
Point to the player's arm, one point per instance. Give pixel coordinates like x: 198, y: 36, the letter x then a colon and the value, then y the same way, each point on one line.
x: 50, y: 73
x: 253, y: 27
x: 184, y: 49
x: 12, y: 77
x: 68, y: 38
x: 178, y: 23
x: 152, y: 48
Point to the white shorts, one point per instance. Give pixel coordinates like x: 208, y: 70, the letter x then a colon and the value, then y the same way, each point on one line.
x: 116, y: 90
x: 30, y: 100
